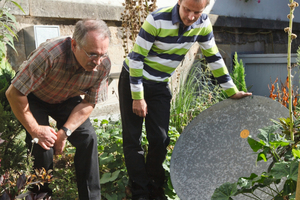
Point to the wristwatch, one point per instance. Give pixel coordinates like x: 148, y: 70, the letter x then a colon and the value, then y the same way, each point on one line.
x: 68, y: 132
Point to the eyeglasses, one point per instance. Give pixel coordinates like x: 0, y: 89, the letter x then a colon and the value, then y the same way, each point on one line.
x: 95, y: 56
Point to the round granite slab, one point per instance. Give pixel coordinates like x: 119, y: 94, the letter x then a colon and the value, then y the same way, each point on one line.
x: 213, y: 148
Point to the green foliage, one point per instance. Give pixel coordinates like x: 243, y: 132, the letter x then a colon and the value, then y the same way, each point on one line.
x: 112, y: 168
x: 238, y: 74
x: 15, y: 184
x: 64, y: 184
x: 196, y: 93
x: 15, y: 165
x: 272, y: 143
x: 114, y: 178
x: 169, y: 190
x: 12, y: 149
x: 8, y: 26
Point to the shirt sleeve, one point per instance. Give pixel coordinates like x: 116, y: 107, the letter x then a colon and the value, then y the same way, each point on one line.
x: 135, y: 61
x: 32, y: 72
x: 215, y: 61
x: 99, y: 92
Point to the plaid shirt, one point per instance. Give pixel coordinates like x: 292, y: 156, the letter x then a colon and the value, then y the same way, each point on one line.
x: 53, y: 74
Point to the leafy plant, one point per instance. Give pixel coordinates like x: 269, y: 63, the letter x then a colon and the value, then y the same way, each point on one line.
x: 12, y: 150
x: 277, y: 143
x: 273, y: 144
x: 169, y: 190
x: 196, y: 93
x: 114, y: 179
x: 17, y: 185
x: 64, y: 185
x: 238, y: 74
x: 281, y: 95
x: 14, y: 183
x: 8, y: 28
x: 112, y: 167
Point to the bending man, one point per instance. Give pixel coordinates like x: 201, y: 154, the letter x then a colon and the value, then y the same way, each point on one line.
x: 50, y: 83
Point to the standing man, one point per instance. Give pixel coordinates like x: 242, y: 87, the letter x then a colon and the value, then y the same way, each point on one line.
x: 164, y: 39
x: 50, y: 83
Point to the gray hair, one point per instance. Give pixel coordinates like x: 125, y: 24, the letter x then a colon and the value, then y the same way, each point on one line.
x: 84, y: 26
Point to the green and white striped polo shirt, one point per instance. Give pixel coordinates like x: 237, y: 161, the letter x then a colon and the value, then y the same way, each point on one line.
x: 162, y: 44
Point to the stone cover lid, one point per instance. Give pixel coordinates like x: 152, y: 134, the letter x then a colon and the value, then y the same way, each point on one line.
x: 213, y: 148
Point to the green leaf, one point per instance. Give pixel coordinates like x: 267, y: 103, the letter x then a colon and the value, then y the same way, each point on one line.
x: 105, y: 178
x: 105, y: 135
x: 9, y: 29
x: 296, y: 153
x: 280, y: 142
x: 18, y: 6
x: 105, y: 158
x: 267, y: 134
x: 289, y: 187
x: 112, y: 197
x: 109, y: 177
x: 11, y: 17
x: 285, y: 169
x: 115, y: 175
x: 104, y: 121
x: 2, y: 47
x: 262, y: 156
x: 225, y: 192
x: 247, y: 182
x: 255, y: 146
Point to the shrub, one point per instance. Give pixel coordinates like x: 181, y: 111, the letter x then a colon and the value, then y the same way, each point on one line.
x: 198, y: 92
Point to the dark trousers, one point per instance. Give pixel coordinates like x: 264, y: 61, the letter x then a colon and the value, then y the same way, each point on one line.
x: 83, y: 138
x: 150, y: 172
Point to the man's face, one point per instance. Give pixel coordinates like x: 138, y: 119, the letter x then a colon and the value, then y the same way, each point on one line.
x: 91, y: 54
x: 190, y: 10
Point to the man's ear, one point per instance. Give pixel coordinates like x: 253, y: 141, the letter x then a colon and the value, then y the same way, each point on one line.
x: 73, y: 45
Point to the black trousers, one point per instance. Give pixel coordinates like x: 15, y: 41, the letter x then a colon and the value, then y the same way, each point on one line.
x: 83, y: 138
x: 149, y: 172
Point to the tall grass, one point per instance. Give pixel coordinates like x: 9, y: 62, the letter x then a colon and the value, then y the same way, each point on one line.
x: 196, y: 93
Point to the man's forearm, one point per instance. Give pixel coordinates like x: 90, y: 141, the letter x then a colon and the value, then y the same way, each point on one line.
x: 20, y: 107
x: 79, y: 114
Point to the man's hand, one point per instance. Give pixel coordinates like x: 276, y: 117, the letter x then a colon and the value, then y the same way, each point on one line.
x: 139, y: 107
x: 240, y: 94
x: 60, y: 142
x: 46, y: 136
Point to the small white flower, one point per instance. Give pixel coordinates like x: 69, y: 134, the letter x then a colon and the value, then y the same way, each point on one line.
x: 35, y: 140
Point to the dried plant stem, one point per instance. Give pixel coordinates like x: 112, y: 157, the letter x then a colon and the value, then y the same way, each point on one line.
x: 134, y: 15
x: 291, y: 36
x: 289, y: 68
